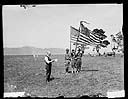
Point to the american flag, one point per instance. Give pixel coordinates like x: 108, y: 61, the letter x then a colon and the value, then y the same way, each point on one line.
x: 78, y: 37
x: 83, y: 29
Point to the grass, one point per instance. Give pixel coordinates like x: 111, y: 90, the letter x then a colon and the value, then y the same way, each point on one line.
x: 98, y: 75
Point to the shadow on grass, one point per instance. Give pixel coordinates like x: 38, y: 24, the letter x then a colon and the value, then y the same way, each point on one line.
x: 54, y: 78
x: 69, y: 71
x: 91, y: 70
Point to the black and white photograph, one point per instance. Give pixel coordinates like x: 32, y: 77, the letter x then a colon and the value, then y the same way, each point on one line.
x: 63, y: 50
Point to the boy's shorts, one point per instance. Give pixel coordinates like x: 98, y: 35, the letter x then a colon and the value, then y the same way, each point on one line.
x: 73, y: 63
x: 67, y: 63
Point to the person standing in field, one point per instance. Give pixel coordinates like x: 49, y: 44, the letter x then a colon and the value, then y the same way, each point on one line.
x: 113, y: 45
x: 73, y: 61
x: 79, y: 60
x: 48, y: 64
x: 67, y: 61
x: 97, y: 50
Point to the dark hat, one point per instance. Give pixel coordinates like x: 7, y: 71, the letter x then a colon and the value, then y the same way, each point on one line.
x: 73, y: 50
x: 111, y: 35
x: 67, y: 49
x: 79, y: 49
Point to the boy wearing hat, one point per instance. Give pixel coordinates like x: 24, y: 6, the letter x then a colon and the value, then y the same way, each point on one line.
x: 73, y: 61
x: 79, y: 60
x: 67, y: 60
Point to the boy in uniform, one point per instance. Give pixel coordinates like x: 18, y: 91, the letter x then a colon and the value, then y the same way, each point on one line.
x: 79, y: 60
x: 67, y: 60
x: 73, y: 61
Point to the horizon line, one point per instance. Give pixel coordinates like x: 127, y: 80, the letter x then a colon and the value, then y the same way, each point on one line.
x: 34, y: 47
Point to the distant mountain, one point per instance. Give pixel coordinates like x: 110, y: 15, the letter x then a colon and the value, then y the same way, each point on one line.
x: 27, y: 50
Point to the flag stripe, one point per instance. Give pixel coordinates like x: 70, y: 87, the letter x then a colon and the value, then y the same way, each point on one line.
x: 74, y: 40
x: 84, y: 40
x: 85, y: 37
x: 88, y: 38
x: 79, y: 41
x: 92, y: 37
x: 88, y: 33
x: 97, y: 36
x: 74, y: 37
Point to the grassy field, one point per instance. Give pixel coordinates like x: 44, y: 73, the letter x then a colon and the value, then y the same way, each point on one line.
x: 98, y: 75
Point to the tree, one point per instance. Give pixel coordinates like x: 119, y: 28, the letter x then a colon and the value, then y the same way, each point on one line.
x: 97, y: 49
x: 105, y: 43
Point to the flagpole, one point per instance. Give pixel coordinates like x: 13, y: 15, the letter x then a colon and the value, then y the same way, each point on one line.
x: 76, y: 45
x: 76, y: 42
x: 70, y: 42
x: 70, y: 46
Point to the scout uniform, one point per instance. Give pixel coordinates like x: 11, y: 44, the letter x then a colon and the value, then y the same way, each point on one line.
x: 73, y: 61
x: 67, y: 60
x: 78, y: 61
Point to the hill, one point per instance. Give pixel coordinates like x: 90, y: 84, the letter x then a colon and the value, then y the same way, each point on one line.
x: 27, y: 50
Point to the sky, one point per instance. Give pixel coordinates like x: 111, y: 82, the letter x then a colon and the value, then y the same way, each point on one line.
x: 48, y: 26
